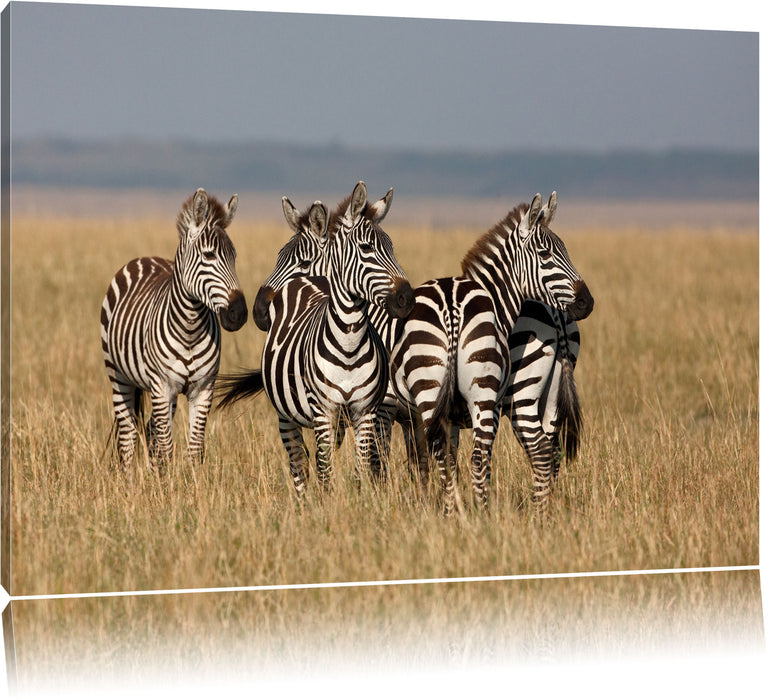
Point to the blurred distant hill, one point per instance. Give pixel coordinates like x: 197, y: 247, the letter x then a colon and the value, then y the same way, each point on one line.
x: 675, y: 174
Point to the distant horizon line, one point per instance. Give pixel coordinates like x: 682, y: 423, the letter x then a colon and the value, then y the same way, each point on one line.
x: 338, y: 145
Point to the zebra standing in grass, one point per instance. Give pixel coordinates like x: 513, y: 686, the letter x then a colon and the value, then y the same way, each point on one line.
x: 544, y: 347
x: 540, y: 400
x: 305, y: 254
x: 323, y: 363
x: 160, y: 330
x: 453, y: 368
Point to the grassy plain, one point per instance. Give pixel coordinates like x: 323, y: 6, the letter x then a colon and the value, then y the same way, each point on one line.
x: 667, y: 475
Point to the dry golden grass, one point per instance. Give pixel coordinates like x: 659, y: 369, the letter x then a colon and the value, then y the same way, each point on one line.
x: 667, y: 475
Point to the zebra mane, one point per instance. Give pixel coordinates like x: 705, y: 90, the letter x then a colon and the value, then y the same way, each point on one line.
x: 216, y: 215
x: 482, y: 250
x: 369, y: 213
x: 303, y: 223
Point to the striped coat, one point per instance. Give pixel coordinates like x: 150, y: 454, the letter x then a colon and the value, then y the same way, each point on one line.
x: 160, y: 329
x: 323, y: 364
x: 452, y: 366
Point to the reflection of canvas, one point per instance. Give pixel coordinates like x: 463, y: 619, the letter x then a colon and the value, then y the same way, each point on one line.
x: 525, y: 628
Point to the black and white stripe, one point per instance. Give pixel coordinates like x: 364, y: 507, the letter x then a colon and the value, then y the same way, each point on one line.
x: 160, y: 328
x: 323, y: 363
x: 540, y: 394
x: 453, y: 365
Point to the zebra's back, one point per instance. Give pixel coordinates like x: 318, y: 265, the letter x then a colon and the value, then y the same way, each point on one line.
x: 127, y: 310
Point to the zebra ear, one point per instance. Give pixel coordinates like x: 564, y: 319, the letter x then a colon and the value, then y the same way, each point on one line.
x: 357, y: 201
x: 530, y: 218
x: 382, y: 206
x: 319, y: 219
x: 231, y: 210
x: 199, y: 206
x: 548, y: 212
x: 291, y: 213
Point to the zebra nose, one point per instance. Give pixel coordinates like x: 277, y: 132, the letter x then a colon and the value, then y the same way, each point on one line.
x: 261, y: 307
x: 402, y: 301
x: 405, y: 297
x: 583, y: 303
x: 235, y: 314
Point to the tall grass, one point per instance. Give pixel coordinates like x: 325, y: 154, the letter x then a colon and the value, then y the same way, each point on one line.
x: 667, y: 474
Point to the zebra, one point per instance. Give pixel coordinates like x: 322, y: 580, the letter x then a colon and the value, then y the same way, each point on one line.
x: 544, y: 346
x: 304, y: 254
x: 160, y: 329
x: 453, y: 365
x: 323, y: 363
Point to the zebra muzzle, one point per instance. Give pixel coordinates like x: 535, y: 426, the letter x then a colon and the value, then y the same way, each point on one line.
x: 261, y: 306
x: 234, y: 315
x: 583, y: 303
x: 401, y: 302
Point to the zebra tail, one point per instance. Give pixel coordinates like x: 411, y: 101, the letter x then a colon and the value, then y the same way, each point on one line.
x: 439, y: 423
x: 569, y: 410
x: 436, y: 429
x: 231, y: 388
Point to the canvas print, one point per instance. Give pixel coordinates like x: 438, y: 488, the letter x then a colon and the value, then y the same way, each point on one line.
x: 374, y: 343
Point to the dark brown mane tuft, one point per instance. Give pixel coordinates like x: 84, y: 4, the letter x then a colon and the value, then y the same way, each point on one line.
x: 304, y: 218
x: 481, y: 250
x: 342, y: 207
x: 216, y: 215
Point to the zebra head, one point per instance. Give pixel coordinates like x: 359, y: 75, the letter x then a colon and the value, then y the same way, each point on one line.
x: 545, y: 268
x: 361, y: 256
x: 205, y: 258
x: 302, y: 255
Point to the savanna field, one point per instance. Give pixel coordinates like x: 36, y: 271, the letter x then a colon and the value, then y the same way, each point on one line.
x: 667, y: 475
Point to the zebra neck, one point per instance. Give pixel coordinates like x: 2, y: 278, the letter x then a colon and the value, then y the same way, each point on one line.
x: 387, y: 328
x: 346, y: 314
x: 189, y: 311
x: 505, y: 292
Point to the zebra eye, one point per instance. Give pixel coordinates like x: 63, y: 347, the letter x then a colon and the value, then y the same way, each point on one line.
x: 366, y: 247
x: 304, y: 264
x: 209, y: 254
x: 545, y: 254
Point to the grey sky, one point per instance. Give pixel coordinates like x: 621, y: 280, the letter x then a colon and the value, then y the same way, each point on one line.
x: 97, y: 72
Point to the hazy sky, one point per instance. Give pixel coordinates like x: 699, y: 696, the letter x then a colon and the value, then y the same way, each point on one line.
x: 99, y: 71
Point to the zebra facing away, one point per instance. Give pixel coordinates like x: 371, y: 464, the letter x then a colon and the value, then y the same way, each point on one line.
x: 453, y: 366
x: 323, y: 363
x: 544, y: 346
x: 160, y: 329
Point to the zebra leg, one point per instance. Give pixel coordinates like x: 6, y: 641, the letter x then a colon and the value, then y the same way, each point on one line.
x: 380, y: 451
x: 125, y: 412
x: 417, y: 450
x: 151, y: 431
x: 484, y: 413
x: 326, y: 431
x: 480, y: 468
x: 199, y: 408
x: 445, y: 452
x: 298, y: 456
x: 541, y: 452
x: 160, y: 428
x: 367, y: 448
